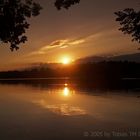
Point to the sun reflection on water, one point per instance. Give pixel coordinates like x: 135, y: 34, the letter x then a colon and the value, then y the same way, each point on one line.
x: 66, y: 110
x: 59, y: 105
x: 66, y: 92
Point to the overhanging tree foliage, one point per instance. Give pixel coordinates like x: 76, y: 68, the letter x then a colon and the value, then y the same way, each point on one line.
x: 65, y: 3
x: 129, y: 20
x: 14, y: 15
x: 13, y: 20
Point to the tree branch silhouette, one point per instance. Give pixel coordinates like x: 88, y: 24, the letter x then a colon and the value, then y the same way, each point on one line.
x: 13, y: 20
x: 129, y: 20
x: 65, y: 3
x: 14, y: 15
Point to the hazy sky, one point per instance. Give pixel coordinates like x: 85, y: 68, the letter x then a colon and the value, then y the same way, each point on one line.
x: 84, y: 30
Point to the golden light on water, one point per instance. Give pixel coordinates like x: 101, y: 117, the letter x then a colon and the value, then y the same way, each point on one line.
x: 66, y: 91
x: 60, y: 103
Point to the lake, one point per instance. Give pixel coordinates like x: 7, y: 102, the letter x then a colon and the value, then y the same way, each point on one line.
x: 67, y: 112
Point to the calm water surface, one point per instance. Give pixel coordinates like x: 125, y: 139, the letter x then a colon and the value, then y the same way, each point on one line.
x: 63, y: 112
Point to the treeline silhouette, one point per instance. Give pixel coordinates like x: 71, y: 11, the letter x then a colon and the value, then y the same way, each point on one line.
x: 100, y: 74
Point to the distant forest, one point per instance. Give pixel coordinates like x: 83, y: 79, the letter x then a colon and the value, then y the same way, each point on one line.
x: 97, y: 70
x: 100, y: 73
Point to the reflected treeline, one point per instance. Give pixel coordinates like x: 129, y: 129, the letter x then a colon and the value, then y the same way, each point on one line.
x: 100, y: 75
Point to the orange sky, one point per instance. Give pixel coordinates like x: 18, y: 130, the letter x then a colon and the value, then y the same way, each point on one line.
x: 84, y: 30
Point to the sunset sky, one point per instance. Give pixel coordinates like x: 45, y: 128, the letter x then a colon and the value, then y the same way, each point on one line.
x: 86, y: 29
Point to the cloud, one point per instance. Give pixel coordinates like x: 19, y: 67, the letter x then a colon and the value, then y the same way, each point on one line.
x: 65, y: 43
x: 77, y: 42
x: 58, y: 44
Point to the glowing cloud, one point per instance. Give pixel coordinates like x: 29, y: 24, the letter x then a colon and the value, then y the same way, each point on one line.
x: 58, y: 44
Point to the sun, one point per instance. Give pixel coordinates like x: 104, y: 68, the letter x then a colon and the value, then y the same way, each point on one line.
x: 66, y: 60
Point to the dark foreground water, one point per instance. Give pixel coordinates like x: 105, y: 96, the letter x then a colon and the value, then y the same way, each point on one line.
x: 65, y: 112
